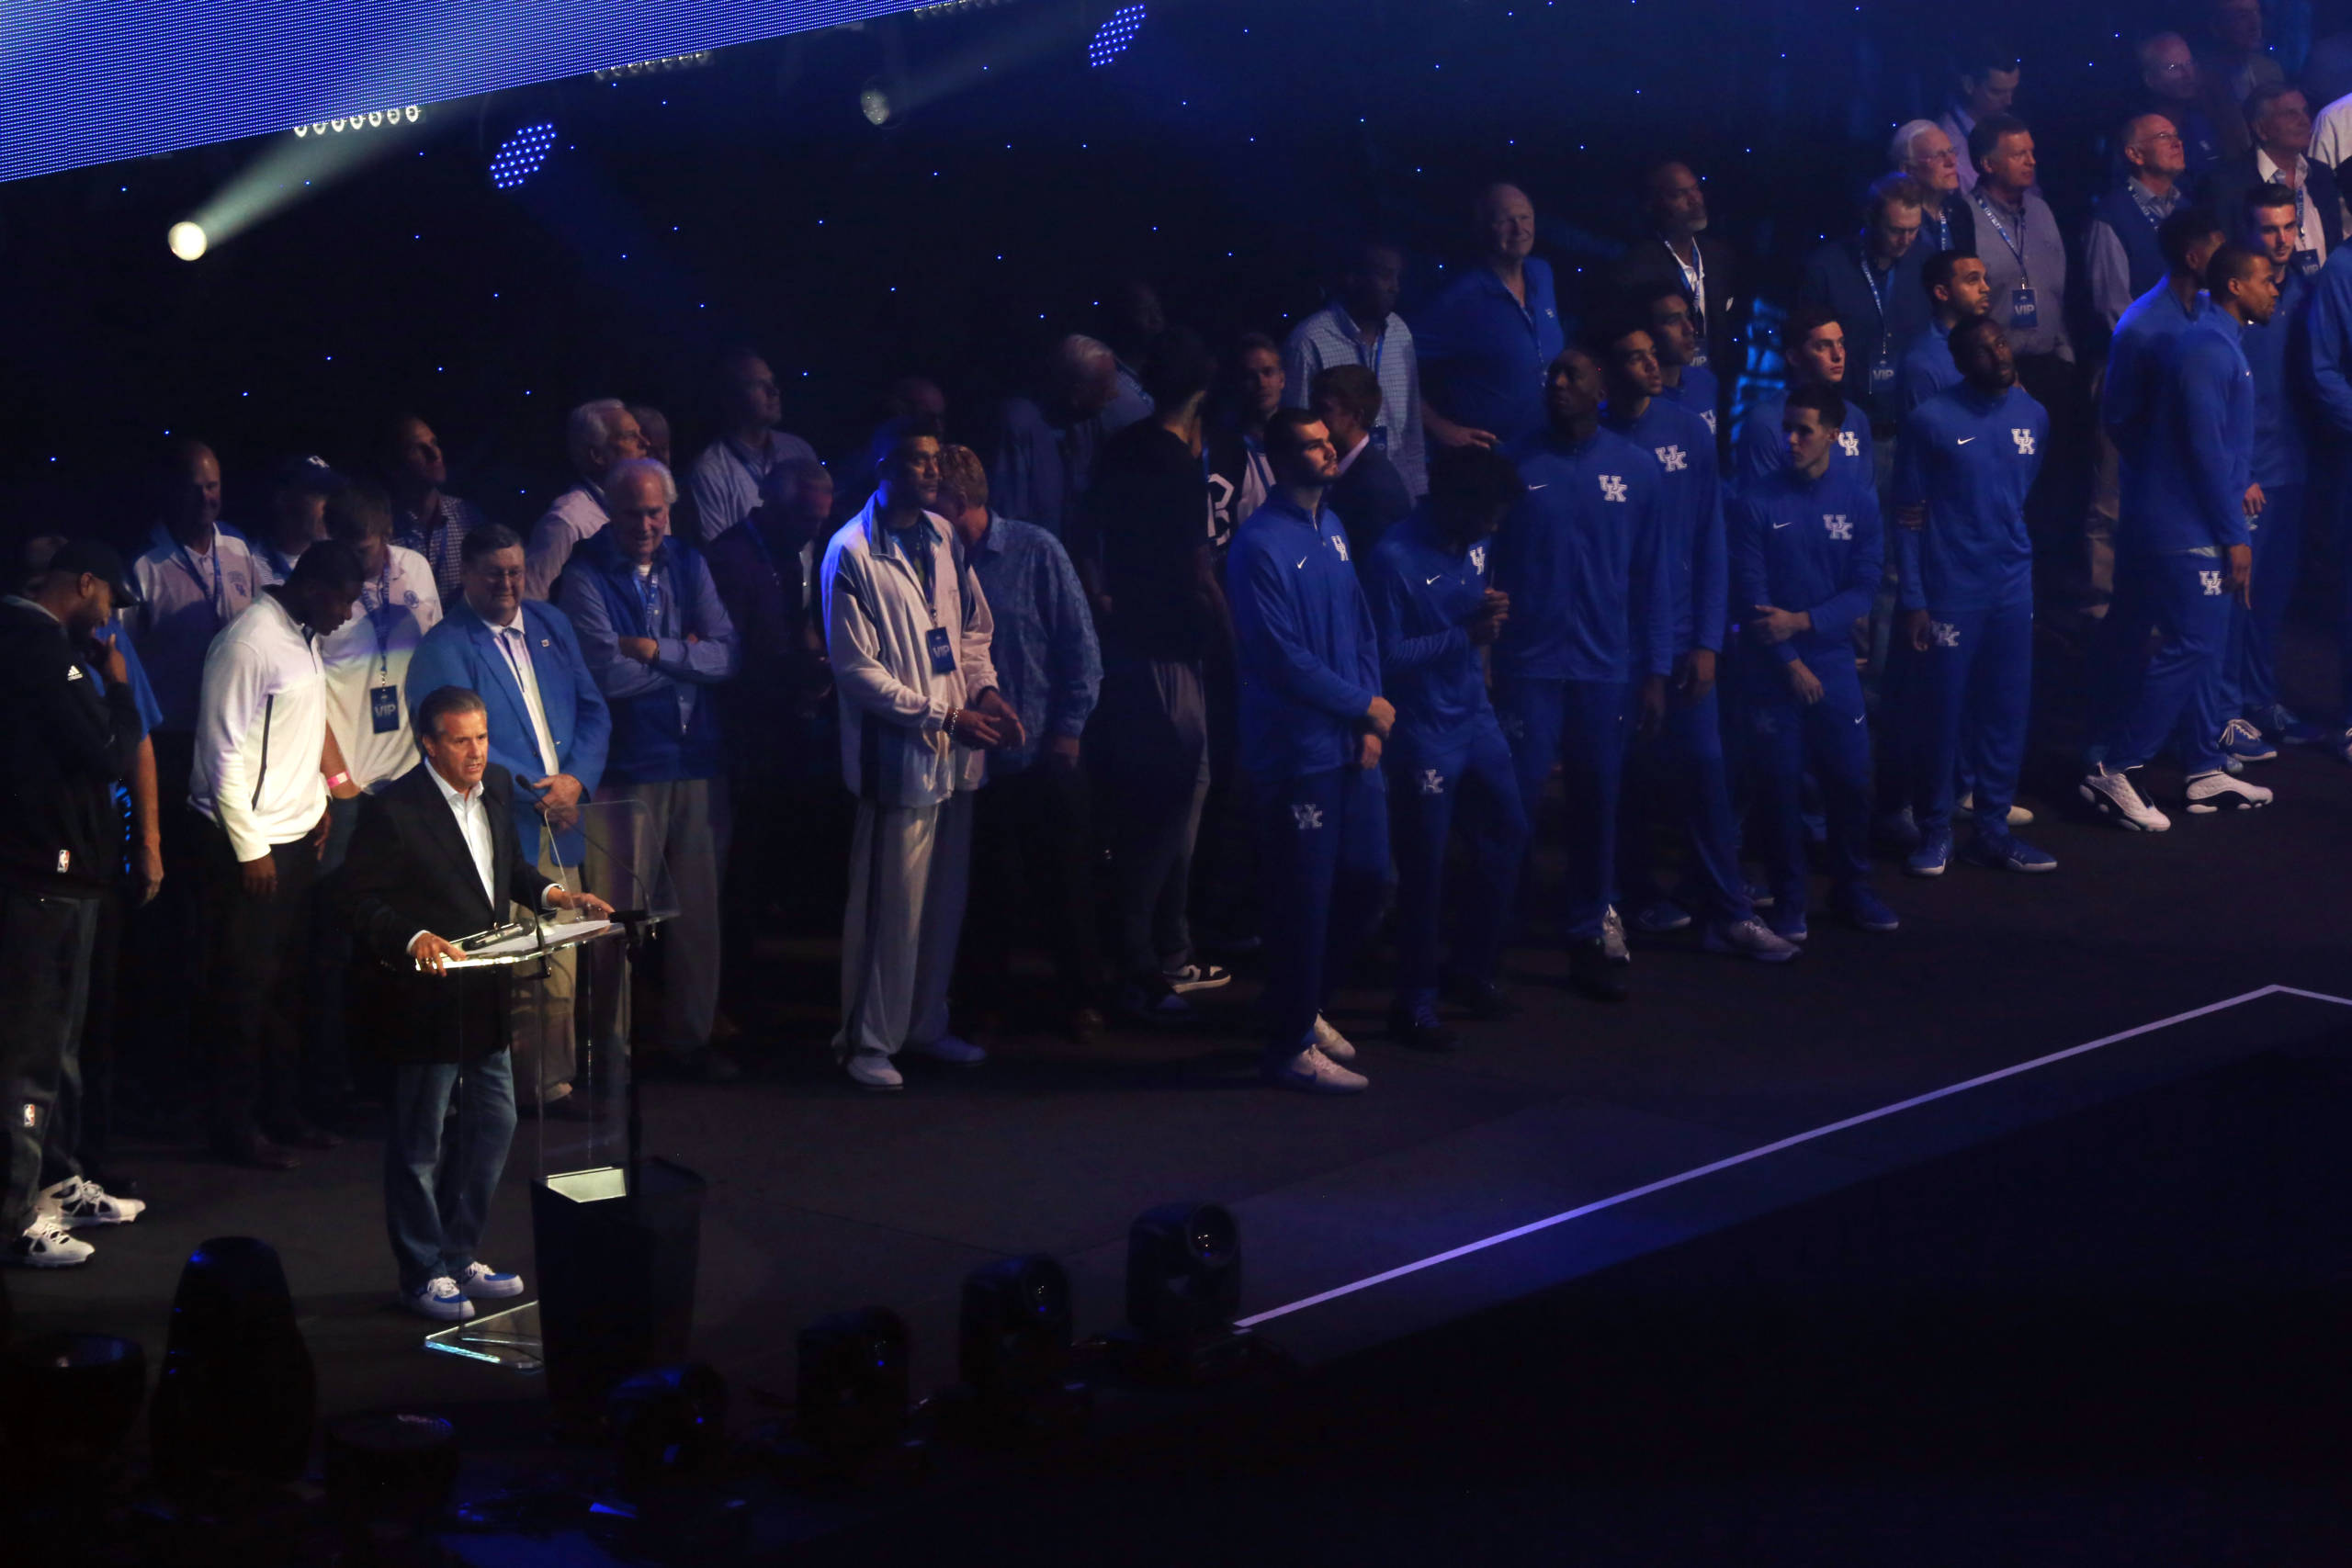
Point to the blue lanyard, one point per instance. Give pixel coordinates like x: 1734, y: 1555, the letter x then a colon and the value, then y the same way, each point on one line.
x: 215, y: 594
x: 1877, y: 302
x: 649, y: 598
x: 380, y: 618
x: 2016, y: 246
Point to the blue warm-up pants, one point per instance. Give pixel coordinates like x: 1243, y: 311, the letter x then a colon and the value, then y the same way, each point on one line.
x: 1831, y: 738
x: 1582, y: 725
x: 1480, y: 781
x: 2175, y: 694
x: 1682, y: 777
x: 2250, y: 671
x: 1970, y: 693
x: 1323, y: 842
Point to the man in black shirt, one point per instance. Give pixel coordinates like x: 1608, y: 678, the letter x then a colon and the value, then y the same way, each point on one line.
x: 1369, y: 496
x: 64, y: 743
x: 1144, y: 554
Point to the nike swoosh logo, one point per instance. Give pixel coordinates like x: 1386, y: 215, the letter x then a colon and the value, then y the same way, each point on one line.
x: 1783, y: 524
x: 1427, y: 581
x: 1301, y: 563
x: 1545, y: 486
x: 1965, y: 440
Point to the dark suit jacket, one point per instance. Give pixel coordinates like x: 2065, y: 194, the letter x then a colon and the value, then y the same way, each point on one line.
x: 2231, y: 178
x: 1370, y: 499
x: 408, y: 869
x: 1648, y: 264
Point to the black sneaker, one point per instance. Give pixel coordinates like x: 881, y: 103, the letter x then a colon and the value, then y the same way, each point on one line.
x: 1155, y: 1005
x: 1417, y: 1027
x: 1594, y: 972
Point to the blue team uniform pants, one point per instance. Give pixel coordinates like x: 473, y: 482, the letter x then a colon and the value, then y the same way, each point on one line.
x: 2250, y: 671
x: 1323, y: 844
x: 1682, y: 777
x: 1831, y: 738
x: 2175, y: 694
x: 1479, y: 780
x: 1582, y: 725
x: 1971, y: 693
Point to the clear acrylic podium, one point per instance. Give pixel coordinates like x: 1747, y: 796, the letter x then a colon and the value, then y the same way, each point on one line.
x: 614, y: 1234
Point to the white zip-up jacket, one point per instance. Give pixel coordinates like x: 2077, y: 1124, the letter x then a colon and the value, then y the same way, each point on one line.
x: 895, y: 750
x: 261, y: 730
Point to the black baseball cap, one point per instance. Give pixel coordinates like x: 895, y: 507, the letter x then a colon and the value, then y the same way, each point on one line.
x: 99, y: 560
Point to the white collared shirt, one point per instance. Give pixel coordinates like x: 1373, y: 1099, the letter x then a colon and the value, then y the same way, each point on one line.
x: 2314, y: 233
x: 396, y: 608
x: 473, y: 812
x: 1354, y: 452
x: 187, y: 599
x: 513, y: 641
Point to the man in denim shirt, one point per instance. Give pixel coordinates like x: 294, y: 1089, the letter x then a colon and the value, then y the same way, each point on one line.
x: 1032, y: 815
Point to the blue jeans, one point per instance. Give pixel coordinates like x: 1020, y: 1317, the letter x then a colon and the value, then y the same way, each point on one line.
x: 436, y: 1195
x: 45, y: 977
x: 1423, y: 791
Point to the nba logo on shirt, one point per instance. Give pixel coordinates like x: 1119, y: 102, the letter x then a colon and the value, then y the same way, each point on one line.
x: 1840, y: 527
x: 2213, y: 583
x: 2024, y: 438
x: 1946, y: 635
x: 1308, y: 818
x: 1612, y: 486
x: 1477, y: 557
x: 1673, y: 459
x: 1850, y: 444
x: 1432, y: 782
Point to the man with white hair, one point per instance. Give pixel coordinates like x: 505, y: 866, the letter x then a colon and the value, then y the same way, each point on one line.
x: 1041, y: 452
x: 1921, y: 150
x: 599, y: 435
x: 656, y: 637
x: 2168, y: 74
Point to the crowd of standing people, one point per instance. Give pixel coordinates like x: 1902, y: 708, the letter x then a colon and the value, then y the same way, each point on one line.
x: 1289, y: 638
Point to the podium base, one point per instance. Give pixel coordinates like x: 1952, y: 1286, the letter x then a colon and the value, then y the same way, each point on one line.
x: 617, y: 1278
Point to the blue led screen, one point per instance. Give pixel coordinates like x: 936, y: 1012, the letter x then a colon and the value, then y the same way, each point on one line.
x: 86, y: 82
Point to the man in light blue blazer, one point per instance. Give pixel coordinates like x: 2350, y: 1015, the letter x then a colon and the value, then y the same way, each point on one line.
x: 550, y: 727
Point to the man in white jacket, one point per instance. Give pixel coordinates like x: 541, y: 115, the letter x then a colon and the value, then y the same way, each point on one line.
x: 908, y: 631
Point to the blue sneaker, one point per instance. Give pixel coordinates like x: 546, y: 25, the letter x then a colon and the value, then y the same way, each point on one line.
x: 1933, y: 854
x: 2279, y: 722
x: 2005, y: 853
x: 1660, y: 916
x: 1897, y: 829
x: 1866, y: 909
x: 2242, y: 742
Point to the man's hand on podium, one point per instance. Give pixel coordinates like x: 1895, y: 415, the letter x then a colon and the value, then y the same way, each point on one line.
x: 586, y: 903
x: 432, y: 952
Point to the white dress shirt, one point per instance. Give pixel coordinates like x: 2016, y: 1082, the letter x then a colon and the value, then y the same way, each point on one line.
x: 185, y: 599
x: 472, y: 813
x: 513, y: 641
x: 261, y: 730
x: 2314, y: 233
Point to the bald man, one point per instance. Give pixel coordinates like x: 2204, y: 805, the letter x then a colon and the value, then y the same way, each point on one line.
x: 1487, y: 341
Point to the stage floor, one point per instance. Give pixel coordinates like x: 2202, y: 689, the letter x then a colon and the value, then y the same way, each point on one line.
x: 824, y: 1197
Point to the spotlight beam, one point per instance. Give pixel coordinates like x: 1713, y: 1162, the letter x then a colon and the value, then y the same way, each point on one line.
x: 288, y: 172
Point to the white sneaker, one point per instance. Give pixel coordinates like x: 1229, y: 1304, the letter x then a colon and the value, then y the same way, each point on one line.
x: 46, y: 1244
x: 1197, y: 978
x: 77, y: 1202
x: 2116, y: 798
x: 1612, y: 936
x: 1331, y: 1041
x: 480, y: 1281
x: 1311, y: 1072
x: 1750, y: 937
x: 871, y: 1069
x: 953, y: 1050
x: 438, y: 1299
x: 2210, y: 792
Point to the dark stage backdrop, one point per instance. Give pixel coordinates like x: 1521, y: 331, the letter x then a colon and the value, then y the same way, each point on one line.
x: 750, y: 201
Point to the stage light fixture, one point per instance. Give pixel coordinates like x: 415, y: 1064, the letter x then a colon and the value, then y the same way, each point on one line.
x: 1183, y: 1271
x: 1015, y: 1328
x: 669, y: 1423
x: 1111, y: 40
x: 852, y: 1383
x: 187, y: 240
x: 238, y: 1394
x: 373, y: 119
x: 874, y: 103
x: 520, y: 156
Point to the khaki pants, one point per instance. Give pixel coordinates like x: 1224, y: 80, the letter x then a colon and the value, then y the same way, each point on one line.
x: 908, y: 870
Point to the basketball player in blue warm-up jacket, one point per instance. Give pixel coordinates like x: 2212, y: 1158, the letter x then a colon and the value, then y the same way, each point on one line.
x: 1680, y: 777
x: 1963, y: 466
x: 1312, y: 722
x: 1446, y: 759
x: 2187, y: 552
x: 1590, y: 636
x: 1806, y: 548
x: 1813, y: 344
